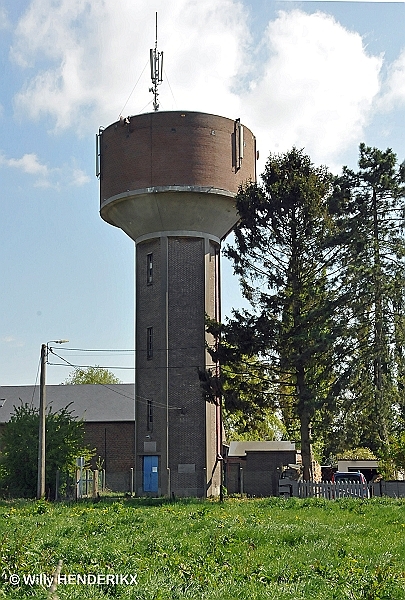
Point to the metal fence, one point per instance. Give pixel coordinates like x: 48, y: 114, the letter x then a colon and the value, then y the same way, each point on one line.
x: 89, y: 483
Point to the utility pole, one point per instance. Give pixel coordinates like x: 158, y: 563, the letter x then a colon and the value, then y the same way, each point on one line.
x: 42, y: 419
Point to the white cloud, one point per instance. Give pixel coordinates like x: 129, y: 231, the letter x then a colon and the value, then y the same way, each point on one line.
x: 394, y: 93
x: 79, y: 177
x: 316, y: 88
x: 47, y: 177
x: 313, y: 83
x: 9, y: 339
x: 92, y: 53
x: 28, y: 163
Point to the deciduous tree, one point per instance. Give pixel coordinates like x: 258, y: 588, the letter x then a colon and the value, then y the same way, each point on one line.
x: 92, y: 375
x: 19, y: 448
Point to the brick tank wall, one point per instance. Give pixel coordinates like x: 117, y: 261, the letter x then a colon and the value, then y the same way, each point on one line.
x: 174, y: 148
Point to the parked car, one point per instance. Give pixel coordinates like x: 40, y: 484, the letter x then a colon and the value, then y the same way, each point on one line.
x: 350, y: 484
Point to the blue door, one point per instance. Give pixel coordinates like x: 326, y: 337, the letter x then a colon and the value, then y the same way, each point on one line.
x: 150, y: 473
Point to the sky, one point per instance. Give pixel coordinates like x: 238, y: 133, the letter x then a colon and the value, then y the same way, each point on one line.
x: 323, y: 76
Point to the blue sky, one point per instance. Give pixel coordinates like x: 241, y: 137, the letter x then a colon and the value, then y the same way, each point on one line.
x: 320, y: 75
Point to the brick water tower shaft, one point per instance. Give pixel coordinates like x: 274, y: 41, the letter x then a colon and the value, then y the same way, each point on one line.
x: 168, y: 179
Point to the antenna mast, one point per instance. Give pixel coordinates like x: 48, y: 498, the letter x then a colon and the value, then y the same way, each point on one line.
x: 156, y: 71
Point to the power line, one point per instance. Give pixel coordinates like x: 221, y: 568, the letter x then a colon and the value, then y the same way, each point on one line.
x: 98, y: 350
x: 126, y: 350
x: 154, y: 366
x: 36, y: 381
x: 141, y: 399
x: 151, y: 367
x: 88, y: 366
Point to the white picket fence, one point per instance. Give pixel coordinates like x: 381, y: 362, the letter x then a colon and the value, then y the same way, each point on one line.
x: 310, y: 489
x: 329, y: 490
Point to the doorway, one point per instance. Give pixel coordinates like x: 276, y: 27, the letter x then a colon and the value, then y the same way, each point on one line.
x: 150, y: 473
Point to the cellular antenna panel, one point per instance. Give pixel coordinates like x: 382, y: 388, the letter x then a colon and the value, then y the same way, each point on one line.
x: 156, y: 70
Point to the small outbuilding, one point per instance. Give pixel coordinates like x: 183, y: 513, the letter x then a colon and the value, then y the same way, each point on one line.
x: 254, y: 468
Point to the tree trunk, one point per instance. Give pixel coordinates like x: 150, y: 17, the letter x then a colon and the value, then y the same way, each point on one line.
x: 378, y: 329
x: 305, y: 416
x: 306, y: 447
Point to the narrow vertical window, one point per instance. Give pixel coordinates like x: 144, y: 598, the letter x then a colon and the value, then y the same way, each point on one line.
x: 149, y: 423
x: 149, y: 269
x: 149, y: 342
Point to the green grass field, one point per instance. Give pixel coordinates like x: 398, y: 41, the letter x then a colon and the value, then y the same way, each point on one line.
x: 248, y: 549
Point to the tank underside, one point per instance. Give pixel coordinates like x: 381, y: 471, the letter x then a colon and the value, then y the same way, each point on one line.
x: 142, y: 213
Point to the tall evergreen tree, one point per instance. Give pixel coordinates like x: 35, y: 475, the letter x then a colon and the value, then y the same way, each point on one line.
x: 286, y: 273
x: 244, y: 388
x: 372, y: 225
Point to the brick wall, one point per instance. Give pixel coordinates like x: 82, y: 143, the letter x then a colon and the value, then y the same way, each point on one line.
x: 261, y: 472
x: 173, y: 148
x: 114, y: 445
x: 183, y: 290
x: 151, y: 373
x: 113, y: 442
x: 186, y: 356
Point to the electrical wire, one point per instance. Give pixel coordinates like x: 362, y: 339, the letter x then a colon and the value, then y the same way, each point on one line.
x: 36, y: 382
x: 170, y: 87
x: 97, y: 349
x: 133, y: 350
x: 147, y: 368
x: 90, y: 366
x: 142, y: 399
x: 69, y: 364
x: 146, y: 105
x: 133, y: 89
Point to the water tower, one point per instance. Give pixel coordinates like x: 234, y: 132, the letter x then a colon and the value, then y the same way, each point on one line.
x: 168, y: 180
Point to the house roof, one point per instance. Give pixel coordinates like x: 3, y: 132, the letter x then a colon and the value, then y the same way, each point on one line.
x: 92, y: 403
x: 240, y: 448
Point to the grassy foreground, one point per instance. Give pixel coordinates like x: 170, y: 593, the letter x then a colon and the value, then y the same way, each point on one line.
x: 269, y: 548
